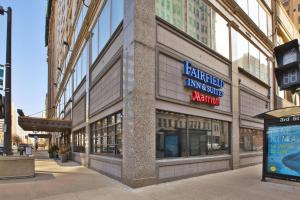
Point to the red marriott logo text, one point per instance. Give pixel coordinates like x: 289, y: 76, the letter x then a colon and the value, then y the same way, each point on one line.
x: 203, y: 98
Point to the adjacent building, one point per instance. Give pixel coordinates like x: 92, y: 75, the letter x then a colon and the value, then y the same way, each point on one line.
x: 292, y: 8
x: 160, y: 90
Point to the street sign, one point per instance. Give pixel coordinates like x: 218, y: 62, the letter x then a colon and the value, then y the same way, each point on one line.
x: 28, y: 150
x: 288, y: 60
x: 1, y: 77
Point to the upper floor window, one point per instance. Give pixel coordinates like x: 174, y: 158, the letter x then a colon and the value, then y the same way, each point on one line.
x: 106, y: 135
x: 68, y: 91
x: 109, y: 19
x: 198, y: 20
x: 81, y: 67
x: 259, y: 14
x: 172, y: 11
x: 245, y: 55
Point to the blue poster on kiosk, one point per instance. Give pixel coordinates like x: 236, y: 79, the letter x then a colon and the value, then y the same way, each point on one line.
x: 284, y: 150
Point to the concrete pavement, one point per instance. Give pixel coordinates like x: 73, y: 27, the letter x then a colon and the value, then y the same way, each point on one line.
x: 71, y: 181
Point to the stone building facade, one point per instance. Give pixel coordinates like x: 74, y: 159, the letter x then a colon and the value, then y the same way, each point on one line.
x: 160, y: 90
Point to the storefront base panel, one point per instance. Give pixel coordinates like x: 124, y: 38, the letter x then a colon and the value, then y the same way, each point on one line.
x: 250, y: 159
x: 79, y: 158
x: 107, y: 166
x: 168, y: 171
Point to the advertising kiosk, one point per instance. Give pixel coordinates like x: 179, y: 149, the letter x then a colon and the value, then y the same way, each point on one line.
x: 281, y: 156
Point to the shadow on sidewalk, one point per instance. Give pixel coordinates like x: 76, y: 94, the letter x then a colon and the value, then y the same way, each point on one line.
x: 39, y: 176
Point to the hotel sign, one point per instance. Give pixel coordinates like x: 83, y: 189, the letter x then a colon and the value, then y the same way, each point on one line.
x: 207, y: 88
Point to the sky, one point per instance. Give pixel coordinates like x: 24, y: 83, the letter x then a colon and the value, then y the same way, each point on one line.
x: 29, y: 54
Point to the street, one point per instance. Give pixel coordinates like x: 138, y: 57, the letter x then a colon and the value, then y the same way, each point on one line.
x: 70, y: 181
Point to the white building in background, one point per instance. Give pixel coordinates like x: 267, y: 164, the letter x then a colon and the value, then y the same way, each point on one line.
x: 16, y: 129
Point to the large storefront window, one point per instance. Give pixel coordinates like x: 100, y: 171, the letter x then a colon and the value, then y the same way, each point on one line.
x: 79, y: 140
x: 251, y: 140
x: 245, y: 55
x: 198, y: 20
x: 179, y: 135
x: 109, y: 19
x: 106, y: 135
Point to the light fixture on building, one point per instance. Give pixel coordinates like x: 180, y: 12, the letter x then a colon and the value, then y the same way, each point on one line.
x: 55, y: 84
x: 20, y: 112
x: 67, y: 44
x: 59, y: 69
x: 83, y: 1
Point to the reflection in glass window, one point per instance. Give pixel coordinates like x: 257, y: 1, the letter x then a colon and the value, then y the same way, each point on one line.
x: 259, y: 14
x: 199, y: 21
x: 245, y: 55
x: 117, y: 13
x: 253, y: 11
x: 263, y: 68
x: 263, y: 21
x: 219, y: 34
x: 251, y: 140
x: 95, y: 39
x: 106, y: 135
x: 110, y: 17
x: 254, y: 60
x: 172, y: 11
x: 240, y: 51
x: 171, y: 141
x: 68, y: 90
x: 190, y: 136
x: 81, y: 66
x: 104, y: 26
x: 79, y: 141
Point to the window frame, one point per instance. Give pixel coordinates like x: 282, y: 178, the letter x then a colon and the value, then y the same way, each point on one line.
x: 100, y: 131
x: 187, y: 22
x: 189, y: 124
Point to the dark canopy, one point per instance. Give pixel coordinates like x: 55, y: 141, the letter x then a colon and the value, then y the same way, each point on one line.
x: 44, y: 124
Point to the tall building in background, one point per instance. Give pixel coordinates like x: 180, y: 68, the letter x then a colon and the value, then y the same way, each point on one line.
x: 292, y: 8
x: 163, y: 89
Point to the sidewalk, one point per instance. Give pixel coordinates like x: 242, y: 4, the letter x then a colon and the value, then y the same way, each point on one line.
x: 71, y: 181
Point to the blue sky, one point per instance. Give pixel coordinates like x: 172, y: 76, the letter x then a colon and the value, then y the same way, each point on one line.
x: 29, y: 54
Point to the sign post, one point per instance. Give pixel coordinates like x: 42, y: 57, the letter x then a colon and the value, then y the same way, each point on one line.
x: 1, y: 77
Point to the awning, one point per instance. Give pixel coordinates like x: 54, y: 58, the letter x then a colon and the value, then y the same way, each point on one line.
x: 44, y: 124
x: 282, y: 112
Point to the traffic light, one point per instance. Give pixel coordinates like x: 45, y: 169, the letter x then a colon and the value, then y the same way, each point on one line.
x: 288, y: 60
x: 2, y: 106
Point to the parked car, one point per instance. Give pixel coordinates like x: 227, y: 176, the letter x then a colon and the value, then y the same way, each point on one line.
x: 214, y: 146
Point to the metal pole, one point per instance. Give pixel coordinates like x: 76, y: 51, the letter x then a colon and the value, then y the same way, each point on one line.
x: 7, y: 135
